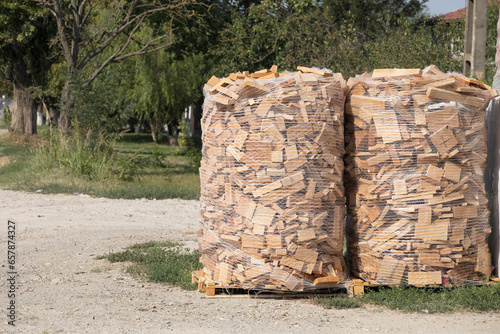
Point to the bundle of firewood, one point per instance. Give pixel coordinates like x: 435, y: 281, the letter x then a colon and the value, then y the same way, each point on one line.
x: 416, y: 154
x: 272, y: 196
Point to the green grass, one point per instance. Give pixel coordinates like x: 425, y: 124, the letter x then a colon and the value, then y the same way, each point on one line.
x: 164, y: 171
x: 164, y: 262
x: 484, y: 298
x: 16, y: 162
x: 168, y: 262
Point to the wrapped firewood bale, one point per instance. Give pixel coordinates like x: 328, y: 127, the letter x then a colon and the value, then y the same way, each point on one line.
x: 272, y: 196
x: 416, y: 154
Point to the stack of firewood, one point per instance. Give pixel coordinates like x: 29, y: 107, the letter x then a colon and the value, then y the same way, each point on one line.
x: 416, y: 154
x: 272, y: 196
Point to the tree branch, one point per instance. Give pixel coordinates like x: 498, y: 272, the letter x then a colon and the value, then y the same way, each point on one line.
x: 133, y: 22
x: 116, y: 58
x: 55, y: 8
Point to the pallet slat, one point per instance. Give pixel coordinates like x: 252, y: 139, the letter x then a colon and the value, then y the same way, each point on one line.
x: 324, y: 286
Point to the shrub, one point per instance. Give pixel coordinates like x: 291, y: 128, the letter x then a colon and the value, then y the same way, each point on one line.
x: 7, y: 116
x: 81, y: 153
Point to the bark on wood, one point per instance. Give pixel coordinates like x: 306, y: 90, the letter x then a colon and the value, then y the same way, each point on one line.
x: 23, y: 112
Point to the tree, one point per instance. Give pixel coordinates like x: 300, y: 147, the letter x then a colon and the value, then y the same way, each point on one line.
x: 252, y: 36
x: 83, y: 39
x: 350, y: 37
x: 25, y: 32
x: 106, y: 104
x: 370, y: 17
x: 164, y: 86
x: 491, y: 40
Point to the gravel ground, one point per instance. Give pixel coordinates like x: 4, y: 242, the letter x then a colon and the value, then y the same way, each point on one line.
x: 62, y: 288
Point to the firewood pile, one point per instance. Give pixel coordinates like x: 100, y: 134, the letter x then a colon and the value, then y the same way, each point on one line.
x: 415, y: 158
x: 272, y: 198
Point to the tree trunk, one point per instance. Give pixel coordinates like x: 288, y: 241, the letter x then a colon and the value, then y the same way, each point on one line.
x: 23, y: 107
x: 197, y: 114
x: 23, y: 111
x: 153, y: 124
x: 66, y: 100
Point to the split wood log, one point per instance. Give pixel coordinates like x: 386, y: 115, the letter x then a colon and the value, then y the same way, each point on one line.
x: 415, y: 159
x: 272, y: 197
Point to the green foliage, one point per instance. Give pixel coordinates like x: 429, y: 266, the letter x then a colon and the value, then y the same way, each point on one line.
x: 165, y: 262
x: 102, y: 107
x: 428, y: 300
x: 24, y: 168
x: 16, y: 161
x: 164, y: 86
x: 350, y: 37
x: 7, y: 116
x: 369, y: 18
x: 25, y: 33
x: 183, y: 137
x: 129, y: 167
x: 417, y: 46
x: 80, y: 153
x: 491, y: 41
x: 329, y: 34
x: 194, y: 154
x: 149, y: 244
x: 157, y: 158
x: 6, y: 86
x: 250, y: 40
x: 188, y: 147
x: 19, y: 21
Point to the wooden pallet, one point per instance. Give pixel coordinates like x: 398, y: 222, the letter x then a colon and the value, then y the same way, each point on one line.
x: 358, y: 285
x: 214, y: 290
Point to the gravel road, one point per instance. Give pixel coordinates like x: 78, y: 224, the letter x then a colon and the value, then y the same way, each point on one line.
x: 62, y: 288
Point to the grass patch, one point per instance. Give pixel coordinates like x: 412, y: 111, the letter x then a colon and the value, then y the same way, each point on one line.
x: 164, y: 262
x: 16, y: 163
x: 425, y: 300
x: 82, y: 154
x: 156, y: 171
x: 438, y: 300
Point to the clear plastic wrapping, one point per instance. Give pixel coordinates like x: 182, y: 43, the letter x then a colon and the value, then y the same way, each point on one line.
x: 415, y: 158
x: 272, y: 202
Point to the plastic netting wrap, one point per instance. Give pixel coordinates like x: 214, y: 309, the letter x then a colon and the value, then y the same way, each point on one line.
x: 415, y: 158
x: 272, y: 196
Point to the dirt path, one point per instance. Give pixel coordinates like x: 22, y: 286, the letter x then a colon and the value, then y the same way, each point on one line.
x: 61, y: 288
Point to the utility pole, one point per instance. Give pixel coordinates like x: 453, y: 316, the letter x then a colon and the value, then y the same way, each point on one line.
x: 475, y: 38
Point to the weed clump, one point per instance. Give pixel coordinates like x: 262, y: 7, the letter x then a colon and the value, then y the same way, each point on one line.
x: 164, y: 262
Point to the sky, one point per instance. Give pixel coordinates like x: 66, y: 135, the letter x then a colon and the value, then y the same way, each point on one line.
x: 437, y: 7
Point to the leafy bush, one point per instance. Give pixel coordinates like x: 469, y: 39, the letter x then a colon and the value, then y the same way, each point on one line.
x: 188, y: 147
x: 129, y: 167
x: 101, y: 107
x: 81, y: 153
x: 7, y: 116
